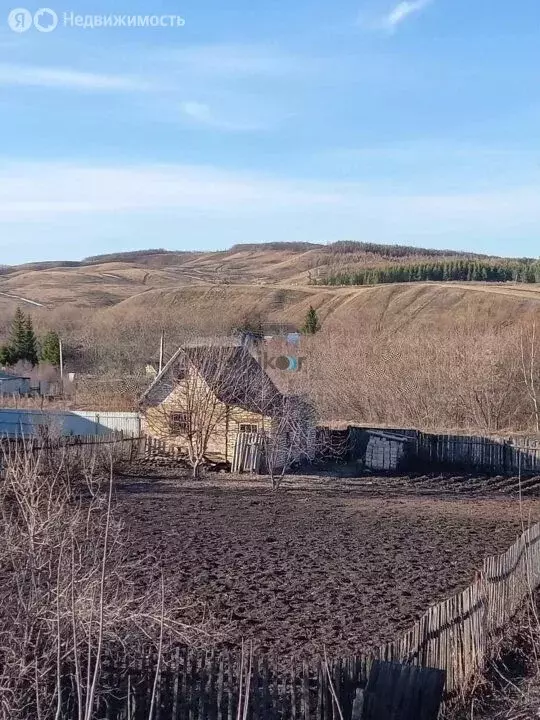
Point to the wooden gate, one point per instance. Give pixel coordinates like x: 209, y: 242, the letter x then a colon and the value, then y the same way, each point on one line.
x: 247, y: 453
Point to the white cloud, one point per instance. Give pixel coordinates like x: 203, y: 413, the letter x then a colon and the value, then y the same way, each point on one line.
x: 68, y: 210
x: 198, y: 111
x: 49, y: 189
x: 43, y: 190
x: 239, y: 61
x: 401, y: 12
x: 36, y: 76
x: 238, y: 120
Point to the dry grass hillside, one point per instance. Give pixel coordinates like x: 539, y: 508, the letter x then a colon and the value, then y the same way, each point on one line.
x: 274, y: 280
x: 390, y: 307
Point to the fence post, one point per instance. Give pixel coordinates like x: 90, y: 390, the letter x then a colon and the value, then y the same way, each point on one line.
x: 358, y: 705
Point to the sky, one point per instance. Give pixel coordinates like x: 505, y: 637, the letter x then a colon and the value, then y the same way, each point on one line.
x: 413, y: 122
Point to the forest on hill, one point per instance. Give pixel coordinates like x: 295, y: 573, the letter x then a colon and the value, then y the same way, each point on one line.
x: 461, y: 270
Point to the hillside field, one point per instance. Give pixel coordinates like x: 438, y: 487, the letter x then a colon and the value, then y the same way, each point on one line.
x: 275, y: 282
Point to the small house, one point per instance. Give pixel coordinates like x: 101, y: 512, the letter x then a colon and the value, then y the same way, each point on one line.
x: 14, y: 384
x: 211, y: 400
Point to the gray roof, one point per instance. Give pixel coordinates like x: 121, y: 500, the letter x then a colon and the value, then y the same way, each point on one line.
x: 231, y: 372
x: 9, y: 376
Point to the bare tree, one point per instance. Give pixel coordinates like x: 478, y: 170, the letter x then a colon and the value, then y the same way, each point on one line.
x: 442, y: 379
x: 530, y: 369
x: 289, y: 438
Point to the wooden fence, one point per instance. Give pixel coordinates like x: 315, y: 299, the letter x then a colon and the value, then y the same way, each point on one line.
x: 500, y: 455
x: 75, y: 447
x: 248, y: 452
x: 153, y: 448
x: 455, y: 636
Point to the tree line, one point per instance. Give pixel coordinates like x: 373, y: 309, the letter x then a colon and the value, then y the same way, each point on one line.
x: 522, y: 271
x: 344, y: 247
x: 24, y: 346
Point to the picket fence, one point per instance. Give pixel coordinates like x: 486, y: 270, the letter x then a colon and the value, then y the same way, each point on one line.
x: 153, y: 448
x: 455, y: 636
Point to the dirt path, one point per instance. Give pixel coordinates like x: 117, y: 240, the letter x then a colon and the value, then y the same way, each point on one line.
x: 22, y: 299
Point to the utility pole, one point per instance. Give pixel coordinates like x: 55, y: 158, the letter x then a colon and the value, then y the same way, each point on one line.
x: 61, y: 354
x: 161, y: 346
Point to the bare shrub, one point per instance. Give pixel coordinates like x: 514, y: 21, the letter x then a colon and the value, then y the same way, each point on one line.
x: 69, y: 598
x: 468, y: 379
x: 290, y: 439
x: 110, y: 392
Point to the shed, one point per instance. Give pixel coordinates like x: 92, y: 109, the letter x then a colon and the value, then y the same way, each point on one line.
x: 14, y: 384
x: 385, y: 451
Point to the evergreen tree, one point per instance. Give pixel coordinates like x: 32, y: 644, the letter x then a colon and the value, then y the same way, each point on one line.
x: 6, y: 356
x: 18, y: 336
x: 22, y: 343
x: 50, y: 349
x: 311, y: 323
x: 30, y: 347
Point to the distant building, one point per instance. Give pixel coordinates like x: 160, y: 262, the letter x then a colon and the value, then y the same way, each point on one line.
x: 14, y: 384
x: 280, y: 330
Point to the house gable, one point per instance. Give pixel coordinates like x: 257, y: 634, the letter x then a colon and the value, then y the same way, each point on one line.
x: 230, y: 372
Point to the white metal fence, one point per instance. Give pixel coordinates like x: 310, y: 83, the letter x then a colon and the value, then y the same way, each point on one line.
x: 33, y: 423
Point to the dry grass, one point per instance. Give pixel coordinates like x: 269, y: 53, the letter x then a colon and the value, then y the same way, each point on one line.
x: 107, y: 283
x: 509, y: 688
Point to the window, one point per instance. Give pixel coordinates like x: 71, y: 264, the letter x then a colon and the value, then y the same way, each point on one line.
x: 248, y: 428
x: 178, y: 423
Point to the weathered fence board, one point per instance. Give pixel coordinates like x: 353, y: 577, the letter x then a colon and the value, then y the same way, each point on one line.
x: 75, y: 447
x: 484, y: 454
x: 402, y: 692
x: 247, y: 454
x: 499, y: 455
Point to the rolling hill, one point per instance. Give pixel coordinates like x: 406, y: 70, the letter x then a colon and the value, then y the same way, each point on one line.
x: 214, y: 290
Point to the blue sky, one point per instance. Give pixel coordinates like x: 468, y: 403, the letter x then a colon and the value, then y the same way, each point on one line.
x: 413, y: 122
